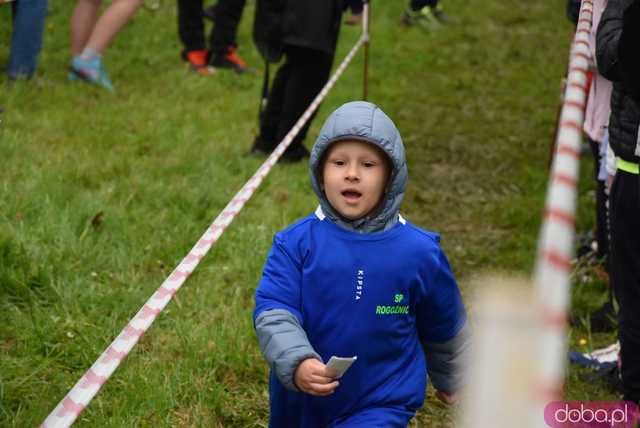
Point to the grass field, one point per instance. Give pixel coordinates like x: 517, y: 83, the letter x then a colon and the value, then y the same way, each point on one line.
x: 101, y: 195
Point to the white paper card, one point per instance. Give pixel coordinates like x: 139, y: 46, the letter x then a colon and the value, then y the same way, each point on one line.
x: 340, y: 364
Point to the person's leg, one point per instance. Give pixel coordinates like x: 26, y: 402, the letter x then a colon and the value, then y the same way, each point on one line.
x: 26, y: 38
x: 228, y: 15
x: 310, y: 70
x: 601, y: 218
x: 356, y: 7
x: 191, y: 32
x: 421, y: 12
x: 377, y: 417
x: 190, y: 25
x: 625, y: 275
x: 223, y: 37
x: 84, y: 18
x: 270, y: 118
x: 427, y: 13
x: 87, y: 66
x: 416, y: 5
x: 110, y: 23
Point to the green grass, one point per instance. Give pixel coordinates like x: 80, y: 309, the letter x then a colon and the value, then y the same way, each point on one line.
x: 101, y: 195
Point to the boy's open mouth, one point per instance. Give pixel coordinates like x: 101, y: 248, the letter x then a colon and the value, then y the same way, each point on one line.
x: 350, y: 194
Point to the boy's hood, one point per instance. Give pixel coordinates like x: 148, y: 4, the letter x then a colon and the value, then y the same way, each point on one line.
x: 363, y: 121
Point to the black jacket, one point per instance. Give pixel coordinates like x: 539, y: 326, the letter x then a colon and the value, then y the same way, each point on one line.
x: 630, y: 50
x: 313, y: 24
x: 625, y: 111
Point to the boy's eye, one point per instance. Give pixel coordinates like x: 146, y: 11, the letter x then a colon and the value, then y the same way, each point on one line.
x: 369, y: 164
x: 338, y: 162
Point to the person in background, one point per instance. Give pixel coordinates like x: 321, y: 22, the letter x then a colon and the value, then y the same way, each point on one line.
x: 309, y: 48
x: 26, y: 37
x: 617, y: 42
x: 596, y: 121
x: 222, y: 50
x: 355, y: 6
x: 91, y: 35
x: 426, y: 13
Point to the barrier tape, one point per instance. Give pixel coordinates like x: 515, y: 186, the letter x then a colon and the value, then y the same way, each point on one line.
x: 556, y: 241
x: 77, y: 399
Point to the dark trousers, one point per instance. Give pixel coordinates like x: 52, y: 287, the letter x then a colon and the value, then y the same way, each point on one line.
x: 602, y: 229
x: 625, y: 275
x: 355, y: 6
x: 191, y: 25
x: 26, y: 38
x: 297, y: 82
x: 419, y: 4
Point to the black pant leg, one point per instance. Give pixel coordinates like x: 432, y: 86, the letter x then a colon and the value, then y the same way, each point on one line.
x: 191, y: 25
x: 309, y: 71
x: 625, y: 275
x: 602, y: 232
x: 228, y: 15
x: 272, y: 113
x: 355, y: 6
x: 419, y: 4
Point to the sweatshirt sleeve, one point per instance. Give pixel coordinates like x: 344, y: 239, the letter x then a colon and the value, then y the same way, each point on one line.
x: 277, y: 316
x: 442, y: 327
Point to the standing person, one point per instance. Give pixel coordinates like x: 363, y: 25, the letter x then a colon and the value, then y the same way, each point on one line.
x: 222, y: 51
x: 26, y: 37
x: 426, y: 13
x: 596, y: 121
x: 306, y: 32
x: 616, y: 41
x: 356, y: 7
x: 357, y: 279
x: 91, y: 34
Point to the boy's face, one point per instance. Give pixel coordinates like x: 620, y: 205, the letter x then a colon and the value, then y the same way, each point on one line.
x: 354, y: 177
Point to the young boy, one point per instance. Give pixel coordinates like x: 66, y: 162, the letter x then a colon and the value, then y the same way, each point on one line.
x: 356, y: 279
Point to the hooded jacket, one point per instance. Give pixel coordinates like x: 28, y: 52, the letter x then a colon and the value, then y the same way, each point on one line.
x: 329, y: 287
x: 363, y: 121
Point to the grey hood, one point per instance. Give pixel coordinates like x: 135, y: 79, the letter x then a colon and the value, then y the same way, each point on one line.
x: 363, y: 121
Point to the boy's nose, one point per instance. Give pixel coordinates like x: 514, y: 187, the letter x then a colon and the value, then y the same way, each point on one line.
x: 352, y: 173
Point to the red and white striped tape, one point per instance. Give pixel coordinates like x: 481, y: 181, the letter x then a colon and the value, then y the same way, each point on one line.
x: 556, y: 240
x: 67, y: 411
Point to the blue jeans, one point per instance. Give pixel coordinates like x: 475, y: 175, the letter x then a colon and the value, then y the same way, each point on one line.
x: 26, y: 39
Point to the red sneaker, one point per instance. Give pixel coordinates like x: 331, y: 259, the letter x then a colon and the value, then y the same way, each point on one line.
x: 198, y: 62
x: 231, y: 60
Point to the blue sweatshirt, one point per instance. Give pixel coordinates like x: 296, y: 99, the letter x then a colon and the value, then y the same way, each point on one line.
x: 376, y: 296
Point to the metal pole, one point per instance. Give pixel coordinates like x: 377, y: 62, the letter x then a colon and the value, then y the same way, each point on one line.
x: 366, y: 14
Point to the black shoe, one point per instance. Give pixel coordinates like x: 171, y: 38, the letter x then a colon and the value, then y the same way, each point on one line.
x: 295, y: 153
x: 260, y: 147
x: 609, y: 377
x: 441, y: 15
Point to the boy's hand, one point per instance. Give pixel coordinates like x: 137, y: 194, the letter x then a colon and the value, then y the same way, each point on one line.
x: 314, y: 378
x: 446, y: 398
